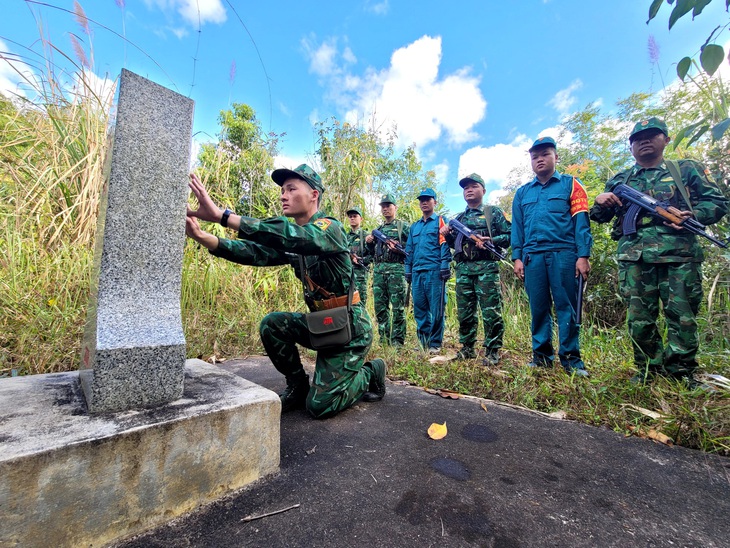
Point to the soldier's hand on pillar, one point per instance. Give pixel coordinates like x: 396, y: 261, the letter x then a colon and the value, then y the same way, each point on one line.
x: 207, y: 210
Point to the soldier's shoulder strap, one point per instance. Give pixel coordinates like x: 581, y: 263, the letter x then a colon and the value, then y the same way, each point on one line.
x: 673, y: 167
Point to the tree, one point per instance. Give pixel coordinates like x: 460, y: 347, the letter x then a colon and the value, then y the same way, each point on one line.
x: 236, y: 168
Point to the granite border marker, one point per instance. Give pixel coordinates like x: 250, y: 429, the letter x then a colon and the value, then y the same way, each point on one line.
x: 133, y: 354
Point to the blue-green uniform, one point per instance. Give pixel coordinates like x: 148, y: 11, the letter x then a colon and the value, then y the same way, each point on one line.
x: 660, y: 263
x: 356, y: 242
x: 477, y: 277
x: 339, y: 378
x: 550, y: 231
x: 389, y: 284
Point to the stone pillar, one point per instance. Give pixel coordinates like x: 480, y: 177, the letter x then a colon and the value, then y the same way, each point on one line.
x: 133, y: 354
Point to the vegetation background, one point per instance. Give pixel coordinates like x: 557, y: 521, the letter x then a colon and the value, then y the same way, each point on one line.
x: 51, y: 153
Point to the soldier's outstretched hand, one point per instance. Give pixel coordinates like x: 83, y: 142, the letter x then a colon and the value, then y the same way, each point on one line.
x: 207, y: 210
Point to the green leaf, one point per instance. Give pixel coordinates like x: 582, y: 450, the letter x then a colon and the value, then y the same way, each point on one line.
x: 680, y: 10
x: 654, y: 8
x: 711, y: 57
x: 683, y: 67
x: 686, y: 130
x: 699, y: 134
x: 719, y: 129
x: 699, y: 6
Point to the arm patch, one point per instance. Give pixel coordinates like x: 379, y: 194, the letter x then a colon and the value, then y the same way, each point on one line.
x: 322, y: 223
x: 578, y: 198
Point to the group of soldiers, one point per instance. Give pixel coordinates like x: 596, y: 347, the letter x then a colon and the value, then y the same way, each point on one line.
x: 659, y: 262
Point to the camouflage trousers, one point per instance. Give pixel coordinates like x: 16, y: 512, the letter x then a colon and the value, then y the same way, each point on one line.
x: 362, y: 276
x: 478, y: 288
x: 389, y: 292
x: 678, y: 286
x: 339, y: 376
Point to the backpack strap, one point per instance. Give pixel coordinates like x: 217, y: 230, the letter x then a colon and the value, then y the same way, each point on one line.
x: 673, y: 167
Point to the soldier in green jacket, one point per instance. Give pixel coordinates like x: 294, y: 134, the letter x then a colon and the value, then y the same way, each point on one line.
x: 361, y: 257
x: 389, y: 275
x: 662, y: 262
x: 477, y: 272
x: 341, y: 375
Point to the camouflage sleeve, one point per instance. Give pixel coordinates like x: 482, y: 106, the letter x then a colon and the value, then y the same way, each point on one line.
x: 708, y: 202
x: 249, y: 253
x: 314, y: 238
x: 406, y: 232
x: 601, y: 214
x: 501, y: 228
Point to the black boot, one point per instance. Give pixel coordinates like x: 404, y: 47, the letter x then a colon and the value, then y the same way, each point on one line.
x: 376, y: 389
x: 295, y: 395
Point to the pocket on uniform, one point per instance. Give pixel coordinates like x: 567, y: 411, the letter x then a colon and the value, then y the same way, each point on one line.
x: 558, y: 204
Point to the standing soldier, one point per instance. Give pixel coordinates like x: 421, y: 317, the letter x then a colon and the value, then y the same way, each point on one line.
x: 428, y: 262
x: 319, y: 245
x: 551, y: 244
x: 662, y: 261
x: 477, y: 272
x: 389, y: 282
x: 359, y: 253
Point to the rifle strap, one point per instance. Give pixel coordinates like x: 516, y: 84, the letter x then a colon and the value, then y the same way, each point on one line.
x: 488, y: 212
x: 673, y: 167
x: 307, y: 281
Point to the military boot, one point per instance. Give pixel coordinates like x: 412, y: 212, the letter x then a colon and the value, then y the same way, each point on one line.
x: 376, y: 389
x: 295, y: 395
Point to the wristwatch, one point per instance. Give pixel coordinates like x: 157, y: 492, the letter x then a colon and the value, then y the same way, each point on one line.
x: 224, y: 218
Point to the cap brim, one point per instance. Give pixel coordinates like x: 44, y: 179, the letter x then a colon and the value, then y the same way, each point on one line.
x: 465, y: 181
x: 542, y: 145
x: 280, y: 176
x: 637, y: 133
x: 352, y: 211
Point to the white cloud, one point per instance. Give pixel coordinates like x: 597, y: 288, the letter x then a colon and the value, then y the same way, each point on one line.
x: 496, y: 162
x: 14, y: 74
x: 564, y: 100
x: 378, y: 8
x: 193, y: 11
x: 408, y: 94
x: 442, y: 171
x: 95, y: 88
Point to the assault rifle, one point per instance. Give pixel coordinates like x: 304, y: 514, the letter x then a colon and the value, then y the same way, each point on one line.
x: 466, y: 232
x: 360, y: 262
x: 642, y: 203
x: 383, y: 239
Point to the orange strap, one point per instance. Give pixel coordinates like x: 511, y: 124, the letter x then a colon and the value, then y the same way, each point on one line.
x: 336, y: 302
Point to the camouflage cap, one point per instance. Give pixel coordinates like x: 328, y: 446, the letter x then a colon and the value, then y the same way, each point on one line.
x: 651, y: 123
x: 303, y: 172
x: 427, y: 193
x: 387, y: 199
x: 542, y: 142
x: 473, y: 178
x: 353, y: 210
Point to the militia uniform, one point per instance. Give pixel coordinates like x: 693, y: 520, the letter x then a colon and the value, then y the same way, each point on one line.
x: 550, y: 231
x: 477, y: 277
x: 356, y: 243
x: 389, y: 282
x: 427, y: 264
x: 661, y: 263
x: 341, y: 375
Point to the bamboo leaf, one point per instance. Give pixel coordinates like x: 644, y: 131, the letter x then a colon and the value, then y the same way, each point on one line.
x: 711, y: 57
x: 680, y: 10
x: 718, y: 130
x: 699, y: 134
x: 654, y: 8
x: 699, y: 6
x: 683, y: 67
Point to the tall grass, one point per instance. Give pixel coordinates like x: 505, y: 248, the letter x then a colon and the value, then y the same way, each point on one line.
x: 51, y: 154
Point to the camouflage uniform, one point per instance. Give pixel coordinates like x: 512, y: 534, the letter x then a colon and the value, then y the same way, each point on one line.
x: 389, y: 284
x: 477, y: 278
x: 356, y: 243
x: 341, y: 377
x: 661, y: 263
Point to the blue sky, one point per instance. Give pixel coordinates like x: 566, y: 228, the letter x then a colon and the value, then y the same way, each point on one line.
x: 471, y: 83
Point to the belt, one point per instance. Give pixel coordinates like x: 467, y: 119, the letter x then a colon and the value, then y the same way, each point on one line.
x: 336, y: 302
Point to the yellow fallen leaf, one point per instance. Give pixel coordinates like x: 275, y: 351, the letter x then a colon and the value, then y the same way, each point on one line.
x: 448, y: 394
x: 658, y: 436
x: 437, y: 431
x: 484, y: 406
x: 643, y: 411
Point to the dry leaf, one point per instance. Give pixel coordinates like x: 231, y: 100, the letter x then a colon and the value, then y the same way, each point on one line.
x: 430, y: 390
x: 484, y: 406
x: 310, y: 451
x: 643, y: 411
x: 557, y: 415
x: 448, y: 394
x: 437, y: 431
x: 658, y: 436
x: 439, y: 359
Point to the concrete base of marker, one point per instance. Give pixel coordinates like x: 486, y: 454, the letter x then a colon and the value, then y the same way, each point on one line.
x: 68, y: 478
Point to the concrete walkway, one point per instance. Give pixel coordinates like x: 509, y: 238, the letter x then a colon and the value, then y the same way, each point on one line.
x: 502, y: 477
